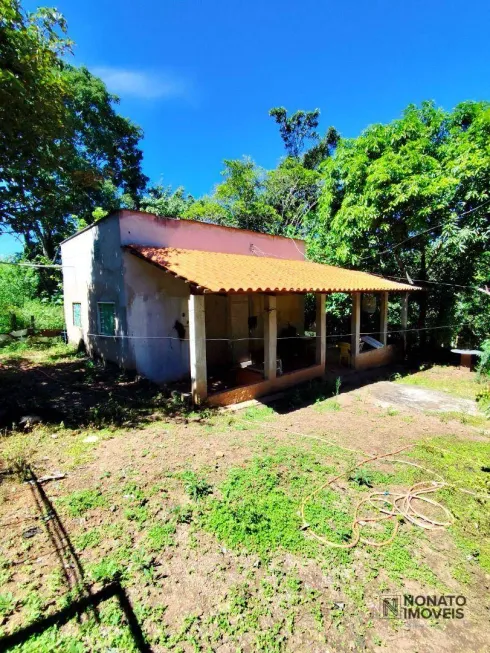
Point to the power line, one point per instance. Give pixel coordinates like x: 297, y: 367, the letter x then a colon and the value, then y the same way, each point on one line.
x: 438, y: 283
x: 421, y: 233
x: 35, y: 265
x: 231, y: 340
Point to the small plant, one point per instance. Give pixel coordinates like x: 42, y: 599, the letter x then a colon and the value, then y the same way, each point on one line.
x: 183, y: 514
x: 106, y: 570
x: 484, y: 364
x: 197, y: 488
x: 79, y: 502
x: 161, y: 535
x: 338, y: 383
x: 362, y: 476
x: 483, y: 399
x: 7, y: 603
x: 327, y: 405
x: 88, y: 540
x: 109, y: 413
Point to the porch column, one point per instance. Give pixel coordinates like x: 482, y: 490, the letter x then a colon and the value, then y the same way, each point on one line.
x: 404, y: 319
x: 383, y: 318
x: 197, y: 347
x: 270, y: 337
x: 321, y: 330
x: 355, y: 327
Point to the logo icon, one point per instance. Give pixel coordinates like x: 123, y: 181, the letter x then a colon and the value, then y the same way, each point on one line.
x: 390, y: 607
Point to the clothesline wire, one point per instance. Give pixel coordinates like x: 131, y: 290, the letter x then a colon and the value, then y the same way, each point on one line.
x: 339, y: 335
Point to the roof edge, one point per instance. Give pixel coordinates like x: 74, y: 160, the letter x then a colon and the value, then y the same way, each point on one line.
x: 135, y: 250
x: 120, y: 212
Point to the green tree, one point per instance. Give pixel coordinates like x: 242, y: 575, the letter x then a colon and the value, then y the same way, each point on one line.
x: 65, y: 149
x: 32, y: 92
x: 162, y: 200
x: 293, y: 192
x: 410, y: 199
x: 239, y: 200
x: 300, y: 137
x: 301, y: 126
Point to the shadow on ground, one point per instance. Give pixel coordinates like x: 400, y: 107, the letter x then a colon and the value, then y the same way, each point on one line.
x: 84, y: 600
x: 86, y: 393
x: 80, y: 393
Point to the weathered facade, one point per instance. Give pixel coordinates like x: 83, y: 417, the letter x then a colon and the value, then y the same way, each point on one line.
x: 137, y: 292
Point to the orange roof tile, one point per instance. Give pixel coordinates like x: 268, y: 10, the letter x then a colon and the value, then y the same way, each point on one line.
x: 238, y: 273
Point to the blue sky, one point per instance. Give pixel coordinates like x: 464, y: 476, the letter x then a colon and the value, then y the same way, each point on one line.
x: 200, y: 75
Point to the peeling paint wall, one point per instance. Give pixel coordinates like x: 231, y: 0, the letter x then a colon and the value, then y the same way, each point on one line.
x: 155, y: 301
x: 92, y: 273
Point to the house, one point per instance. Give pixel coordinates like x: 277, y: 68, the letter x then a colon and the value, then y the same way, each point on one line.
x: 220, y: 307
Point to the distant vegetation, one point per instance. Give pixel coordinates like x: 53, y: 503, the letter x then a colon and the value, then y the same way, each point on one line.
x: 22, y: 298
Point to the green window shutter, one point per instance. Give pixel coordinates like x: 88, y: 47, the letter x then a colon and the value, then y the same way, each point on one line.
x: 107, y: 319
x: 77, y: 314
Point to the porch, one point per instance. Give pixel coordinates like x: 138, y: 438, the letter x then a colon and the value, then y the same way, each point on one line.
x: 243, y: 346
x: 247, y: 332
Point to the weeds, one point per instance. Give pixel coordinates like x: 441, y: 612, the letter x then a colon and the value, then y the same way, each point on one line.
x: 197, y: 488
x: 89, y: 539
x: 362, y: 476
x: 80, y: 502
x: 161, y: 536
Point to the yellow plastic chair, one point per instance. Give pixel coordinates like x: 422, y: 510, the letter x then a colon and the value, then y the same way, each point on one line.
x: 344, y: 353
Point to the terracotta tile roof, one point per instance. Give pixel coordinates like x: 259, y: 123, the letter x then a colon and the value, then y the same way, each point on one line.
x: 234, y: 273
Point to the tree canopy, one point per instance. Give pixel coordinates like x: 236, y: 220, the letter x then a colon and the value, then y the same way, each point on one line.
x: 411, y: 199
x: 64, y: 149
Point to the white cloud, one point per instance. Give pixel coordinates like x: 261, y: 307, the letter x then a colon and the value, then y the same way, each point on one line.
x: 141, y: 84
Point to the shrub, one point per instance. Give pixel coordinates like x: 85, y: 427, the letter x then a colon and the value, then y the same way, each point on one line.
x: 484, y: 364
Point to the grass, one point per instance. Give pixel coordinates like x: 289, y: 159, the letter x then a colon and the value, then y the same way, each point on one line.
x: 197, y: 488
x: 476, y: 421
x: 39, y: 353
x: 259, y: 512
x: 88, y: 540
x: 160, y: 536
x: 327, y: 405
x: 82, y: 501
x: 225, y: 538
x: 444, y: 378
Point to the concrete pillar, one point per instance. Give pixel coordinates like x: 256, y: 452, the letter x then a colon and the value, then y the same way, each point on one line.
x: 321, y: 330
x: 197, y: 347
x: 270, y: 337
x: 404, y: 319
x: 355, y: 327
x: 383, y: 318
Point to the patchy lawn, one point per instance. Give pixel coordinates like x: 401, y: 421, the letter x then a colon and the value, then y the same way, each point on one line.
x: 182, y: 531
x: 453, y: 380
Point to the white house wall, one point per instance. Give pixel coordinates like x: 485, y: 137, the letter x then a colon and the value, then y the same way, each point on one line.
x: 155, y: 301
x: 92, y: 273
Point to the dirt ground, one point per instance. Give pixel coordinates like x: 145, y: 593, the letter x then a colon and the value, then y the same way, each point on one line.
x: 141, y: 513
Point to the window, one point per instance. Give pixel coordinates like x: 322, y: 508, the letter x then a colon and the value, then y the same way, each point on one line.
x: 77, y: 314
x: 107, y: 318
